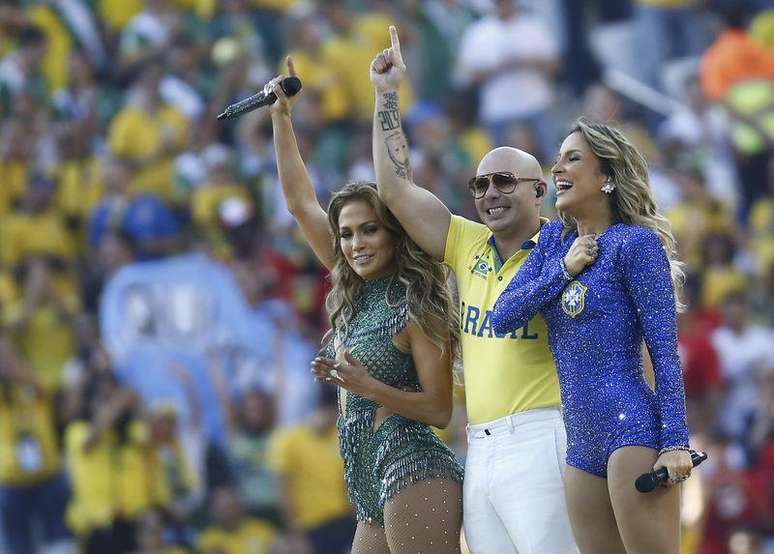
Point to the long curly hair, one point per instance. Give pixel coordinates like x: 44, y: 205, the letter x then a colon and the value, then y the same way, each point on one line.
x: 428, y: 298
x: 632, y: 200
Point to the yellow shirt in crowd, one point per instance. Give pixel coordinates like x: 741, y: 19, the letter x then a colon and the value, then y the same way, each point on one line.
x: 252, y: 536
x: 115, y: 14
x: 315, y: 471
x: 24, y: 234
x: 323, y: 79
x: 503, y: 375
x: 350, y: 56
x: 80, y: 186
x: 719, y: 282
x: 140, y: 137
x: 13, y: 181
x: 206, y: 201
x: 46, y: 341
x: 56, y: 62
x: 762, y: 225
x: 112, y: 479
x: 29, y: 452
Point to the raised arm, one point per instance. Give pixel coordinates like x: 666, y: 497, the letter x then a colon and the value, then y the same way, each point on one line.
x: 297, y: 187
x: 425, y: 218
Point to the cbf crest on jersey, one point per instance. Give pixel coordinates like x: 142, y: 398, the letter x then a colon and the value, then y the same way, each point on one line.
x: 481, y: 267
x: 574, y: 298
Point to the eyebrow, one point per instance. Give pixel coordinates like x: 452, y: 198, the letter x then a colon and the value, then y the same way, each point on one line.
x: 369, y: 222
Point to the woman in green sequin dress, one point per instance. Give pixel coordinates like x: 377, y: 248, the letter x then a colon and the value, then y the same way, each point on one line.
x: 389, y: 353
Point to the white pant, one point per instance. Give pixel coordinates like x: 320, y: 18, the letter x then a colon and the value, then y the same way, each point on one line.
x: 513, y: 493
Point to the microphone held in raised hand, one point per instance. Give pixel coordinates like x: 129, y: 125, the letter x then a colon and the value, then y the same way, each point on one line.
x: 291, y: 85
x: 649, y: 481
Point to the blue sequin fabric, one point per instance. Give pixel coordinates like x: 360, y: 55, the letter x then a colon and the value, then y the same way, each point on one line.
x: 596, y: 324
x: 400, y: 452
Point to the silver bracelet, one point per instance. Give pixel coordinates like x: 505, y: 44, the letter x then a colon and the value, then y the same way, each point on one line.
x: 673, y: 449
x: 566, y: 274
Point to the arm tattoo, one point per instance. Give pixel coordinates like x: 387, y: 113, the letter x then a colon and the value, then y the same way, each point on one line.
x: 398, y: 150
x: 390, y: 100
x: 389, y: 118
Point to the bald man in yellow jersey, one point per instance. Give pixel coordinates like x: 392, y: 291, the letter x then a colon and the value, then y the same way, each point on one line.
x: 514, y: 475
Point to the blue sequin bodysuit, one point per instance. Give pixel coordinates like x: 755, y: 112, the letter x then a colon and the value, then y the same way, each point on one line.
x: 596, y: 324
x: 379, y: 464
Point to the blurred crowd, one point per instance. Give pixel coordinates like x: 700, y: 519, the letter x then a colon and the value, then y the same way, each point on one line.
x: 159, y: 308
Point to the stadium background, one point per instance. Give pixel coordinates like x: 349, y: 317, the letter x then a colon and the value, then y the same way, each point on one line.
x: 159, y: 308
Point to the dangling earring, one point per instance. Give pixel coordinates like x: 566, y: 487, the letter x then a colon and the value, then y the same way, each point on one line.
x: 608, y: 187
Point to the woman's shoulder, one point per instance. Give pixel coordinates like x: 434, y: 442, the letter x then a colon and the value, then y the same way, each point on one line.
x: 637, y: 243
x: 633, y: 235
x: 550, y: 231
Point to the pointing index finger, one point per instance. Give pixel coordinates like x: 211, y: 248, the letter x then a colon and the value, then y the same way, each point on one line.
x: 291, y: 66
x: 395, y: 42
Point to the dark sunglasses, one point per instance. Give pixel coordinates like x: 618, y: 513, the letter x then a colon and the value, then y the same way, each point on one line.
x: 503, y: 181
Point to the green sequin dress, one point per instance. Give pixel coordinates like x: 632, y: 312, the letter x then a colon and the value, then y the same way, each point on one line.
x: 378, y: 465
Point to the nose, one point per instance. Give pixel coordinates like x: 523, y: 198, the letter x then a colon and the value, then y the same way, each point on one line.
x: 491, y: 190
x: 557, y: 167
x: 357, y: 242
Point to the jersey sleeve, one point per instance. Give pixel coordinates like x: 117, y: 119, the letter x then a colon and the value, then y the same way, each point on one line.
x: 462, y: 234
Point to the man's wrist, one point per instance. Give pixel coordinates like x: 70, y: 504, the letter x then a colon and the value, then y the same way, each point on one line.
x: 385, y: 90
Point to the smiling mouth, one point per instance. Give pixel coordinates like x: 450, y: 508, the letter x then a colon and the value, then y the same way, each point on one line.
x: 362, y: 258
x: 562, y: 186
x: 496, y: 211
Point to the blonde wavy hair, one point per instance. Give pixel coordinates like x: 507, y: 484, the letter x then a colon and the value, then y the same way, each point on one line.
x: 632, y: 200
x: 428, y: 297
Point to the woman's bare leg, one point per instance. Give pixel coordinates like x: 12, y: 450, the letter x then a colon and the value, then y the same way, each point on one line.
x: 649, y: 523
x: 591, y: 513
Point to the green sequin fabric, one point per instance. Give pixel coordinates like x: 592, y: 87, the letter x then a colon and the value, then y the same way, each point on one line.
x: 379, y: 464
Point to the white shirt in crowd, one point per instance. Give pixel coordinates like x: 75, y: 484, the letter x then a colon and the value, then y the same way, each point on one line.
x: 513, y: 93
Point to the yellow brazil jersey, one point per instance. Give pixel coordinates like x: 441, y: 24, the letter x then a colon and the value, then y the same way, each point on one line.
x: 504, y: 374
x: 252, y: 536
x: 313, y: 467
x: 28, y: 447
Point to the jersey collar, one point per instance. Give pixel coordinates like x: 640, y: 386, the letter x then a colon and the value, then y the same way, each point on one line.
x: 528, y: 244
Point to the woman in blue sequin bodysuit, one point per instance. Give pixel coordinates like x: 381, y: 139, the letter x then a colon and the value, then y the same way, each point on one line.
x: 390, y: 355
x: 603, y: 278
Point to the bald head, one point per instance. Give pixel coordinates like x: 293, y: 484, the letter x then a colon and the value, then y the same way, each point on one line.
x: 507, y: 158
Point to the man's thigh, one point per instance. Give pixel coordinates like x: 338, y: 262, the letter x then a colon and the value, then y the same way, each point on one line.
x: 484, y: 531
x: 528, y: 480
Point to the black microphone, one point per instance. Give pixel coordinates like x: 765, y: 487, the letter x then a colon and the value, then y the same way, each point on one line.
x: 290, y: 85
x: 649, y: 481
